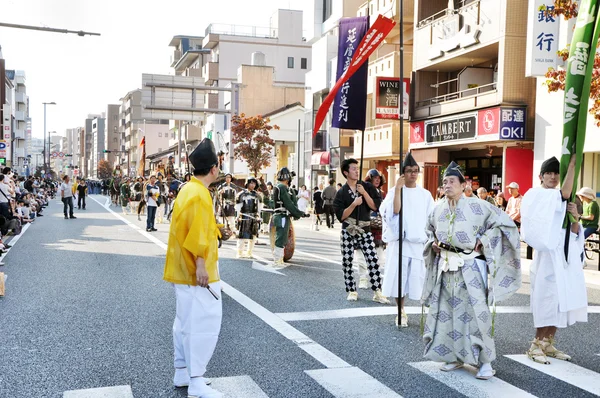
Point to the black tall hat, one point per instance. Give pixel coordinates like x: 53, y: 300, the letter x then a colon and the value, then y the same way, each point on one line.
x: 453, y: 169
x: 409, y: 161
x: 254, y: 180
x: 284, y: 174
x: 204, y: 156
x: 551, y: 165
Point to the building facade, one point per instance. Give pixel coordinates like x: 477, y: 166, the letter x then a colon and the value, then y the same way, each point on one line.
x: 19, y: 100
x: 472, y: 102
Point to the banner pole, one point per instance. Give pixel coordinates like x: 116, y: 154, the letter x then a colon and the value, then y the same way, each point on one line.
x: 401, y: 118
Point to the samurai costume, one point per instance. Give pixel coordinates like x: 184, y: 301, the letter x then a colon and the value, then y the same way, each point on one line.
x: 194, y: 234
x: 417, y: 206
x: 227, y: 198
x: 285, y: 208
x: 248, y: 207
x: 558, y: 291
x: 125, y: 194
x: 459, y: 326
x: 356, y: 233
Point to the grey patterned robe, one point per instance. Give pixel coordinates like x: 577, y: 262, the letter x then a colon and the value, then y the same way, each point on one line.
x: 459, y: 323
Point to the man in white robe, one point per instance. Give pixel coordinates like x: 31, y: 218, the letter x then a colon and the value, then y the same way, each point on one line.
x: 558, y: 292
x: 418, y: 205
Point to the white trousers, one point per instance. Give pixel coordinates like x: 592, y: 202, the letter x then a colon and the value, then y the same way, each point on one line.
x: 196, y: 327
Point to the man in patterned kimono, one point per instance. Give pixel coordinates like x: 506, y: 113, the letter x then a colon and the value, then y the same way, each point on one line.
x: 473, y: 261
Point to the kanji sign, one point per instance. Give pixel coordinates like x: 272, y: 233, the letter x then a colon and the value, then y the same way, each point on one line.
x: 542, y: 38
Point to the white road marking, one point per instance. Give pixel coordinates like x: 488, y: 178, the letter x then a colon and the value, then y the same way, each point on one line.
x: 350, y: 383
x: 238, y: 387
x: 318, y: 257
x: 464, y: 381
x: 380, y: 311
x: 104, y: 392
x: 15, y: 239
x: 567, y: 372
x: 260, y: 267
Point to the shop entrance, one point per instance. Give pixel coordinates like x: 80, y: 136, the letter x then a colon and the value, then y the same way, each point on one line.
x: 483, y: 171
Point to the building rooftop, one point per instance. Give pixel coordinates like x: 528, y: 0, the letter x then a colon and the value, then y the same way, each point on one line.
x: 176, y: 39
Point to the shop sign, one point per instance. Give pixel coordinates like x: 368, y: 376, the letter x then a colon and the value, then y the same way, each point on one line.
x: 417, y: 132
x: 387, y: 104
x: 542, y: 38
x: 512, y: 123
x: 458, y: 128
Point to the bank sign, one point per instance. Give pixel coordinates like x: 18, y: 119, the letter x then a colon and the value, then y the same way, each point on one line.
x: 499, y: 123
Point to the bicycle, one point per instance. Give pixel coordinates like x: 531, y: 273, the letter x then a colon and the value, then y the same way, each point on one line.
x: 592, y: 245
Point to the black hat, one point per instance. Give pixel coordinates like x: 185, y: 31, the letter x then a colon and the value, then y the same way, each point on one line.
x: 254, y: 180
x: 551, y: 165
x: 204, y: 156
x: 409, y: 161
x: 453, y: 169
x: 284, y: 174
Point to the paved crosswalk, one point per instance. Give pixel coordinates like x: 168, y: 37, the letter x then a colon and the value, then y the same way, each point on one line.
x: 352, y: 382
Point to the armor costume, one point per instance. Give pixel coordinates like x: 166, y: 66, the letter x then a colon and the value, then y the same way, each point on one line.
x: 125, y: 194
x: 248, y: 206
x: 227, y: 193
x: 285, y: 208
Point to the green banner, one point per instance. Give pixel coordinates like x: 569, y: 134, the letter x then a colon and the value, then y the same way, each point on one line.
x: 580, y: 67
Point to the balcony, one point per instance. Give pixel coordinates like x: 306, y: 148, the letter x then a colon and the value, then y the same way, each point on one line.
x: 21, y: 98
x: 20, y: 115
x: 460, y: 101
x: 472, y: 25
x: 210, y: 71
x: 194, y: 72
x: 386, y: 66
x: 211, y: 100
x: 19, y: 80
x: 19, y: 134
x: 175, y: 57
x: 381, y: 142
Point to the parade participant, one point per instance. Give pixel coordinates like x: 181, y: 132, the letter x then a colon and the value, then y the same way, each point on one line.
x: 558, y: 292
x: 162, y: 198
x: 418, y: 205
x: 285, y: 208
x: 353, y: 204
x: 136, y: 197
x: 226, y: 199
x: 377, y: 180
x: 466, y: 236
x: 125, y: 195
x: 248, y: 207
x: 267, y: 204
x: 152, y: 198
x: 142, y: 205
x: 117, y: 172
x: 192, y: 266
x: 170, y: 169
x: 82, y: 191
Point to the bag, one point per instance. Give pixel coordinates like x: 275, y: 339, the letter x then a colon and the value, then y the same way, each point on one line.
x: 2, y: 287
x: 376, y: 222
x: 159, y: 200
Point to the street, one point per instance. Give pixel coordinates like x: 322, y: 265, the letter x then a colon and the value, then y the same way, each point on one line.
x: 87, y: 314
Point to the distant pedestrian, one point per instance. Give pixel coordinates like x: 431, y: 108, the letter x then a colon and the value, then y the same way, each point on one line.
x: 591, y: 211
x: 318, y: 205
x: 328, y: 197
x: 82, y: 191
x: 468, y: 191
x: 66, y: 195
x: 303, y: 197
x: 482, y: 193
x: 152, y: 195
x: 500, y: 201
x: 513, y: 208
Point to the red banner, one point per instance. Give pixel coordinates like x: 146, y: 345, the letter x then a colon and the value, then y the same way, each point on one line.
x: 380, y: 29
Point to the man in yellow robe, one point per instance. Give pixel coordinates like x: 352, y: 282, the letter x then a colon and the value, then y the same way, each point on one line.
x: 192, y: 266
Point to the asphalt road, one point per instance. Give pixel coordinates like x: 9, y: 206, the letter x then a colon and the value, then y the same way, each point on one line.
x: 86, y: 309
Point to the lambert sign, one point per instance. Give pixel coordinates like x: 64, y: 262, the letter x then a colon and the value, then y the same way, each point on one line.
x: 462, y: 127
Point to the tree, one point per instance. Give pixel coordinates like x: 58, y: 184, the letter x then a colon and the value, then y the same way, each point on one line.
x: 555, y: 78
x: 250, y: 137
x: 105, y: 170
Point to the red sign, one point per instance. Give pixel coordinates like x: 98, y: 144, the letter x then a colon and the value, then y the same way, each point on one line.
x: 380, y: 29
x: 388, y: 96
x: 489, y: 121
x: 417, y: 132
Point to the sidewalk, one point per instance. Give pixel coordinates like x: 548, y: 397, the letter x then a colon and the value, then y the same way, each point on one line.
x: 592, y: 275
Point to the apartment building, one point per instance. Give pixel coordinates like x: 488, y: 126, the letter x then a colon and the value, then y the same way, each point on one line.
x: 17, y: 146
x: 98, y: 144
x: 134, y: 128
x: 112, y: 135
x: 472, y: 102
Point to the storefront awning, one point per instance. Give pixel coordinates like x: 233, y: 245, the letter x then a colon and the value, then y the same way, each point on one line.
x: 319, y: 158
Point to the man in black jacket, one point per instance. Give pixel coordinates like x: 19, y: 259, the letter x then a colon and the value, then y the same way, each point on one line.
x: 328, y: 197
x: 353, y: 205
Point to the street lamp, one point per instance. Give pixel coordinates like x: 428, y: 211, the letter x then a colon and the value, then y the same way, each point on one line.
x: 46, y: 148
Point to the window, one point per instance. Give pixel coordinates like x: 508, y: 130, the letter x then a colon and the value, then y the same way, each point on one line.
x: 327, y: 9
x: 160, y: 134
x: 291, y: 62
x: 303, y: 63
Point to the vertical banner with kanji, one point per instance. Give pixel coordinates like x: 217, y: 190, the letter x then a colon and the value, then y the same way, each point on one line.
x: 542, y: 38
x: 578, y: 79
x: 350, y: 104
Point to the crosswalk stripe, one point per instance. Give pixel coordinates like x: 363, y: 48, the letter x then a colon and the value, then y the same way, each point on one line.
x: 104, y: 392
x: 260, y: 267
x: 350, y: 383
x: 238, y: 387
x: 567, y: 372
x: 464, y: 381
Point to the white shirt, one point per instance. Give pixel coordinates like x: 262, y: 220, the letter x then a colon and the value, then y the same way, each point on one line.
x: 65, y: 190
x: 4, y: 189
x: 152, y: 191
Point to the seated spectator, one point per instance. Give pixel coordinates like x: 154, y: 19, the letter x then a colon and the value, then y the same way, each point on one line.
x: 23, y: 212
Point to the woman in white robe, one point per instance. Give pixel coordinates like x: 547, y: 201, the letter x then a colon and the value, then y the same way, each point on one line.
x: 558, y: 291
